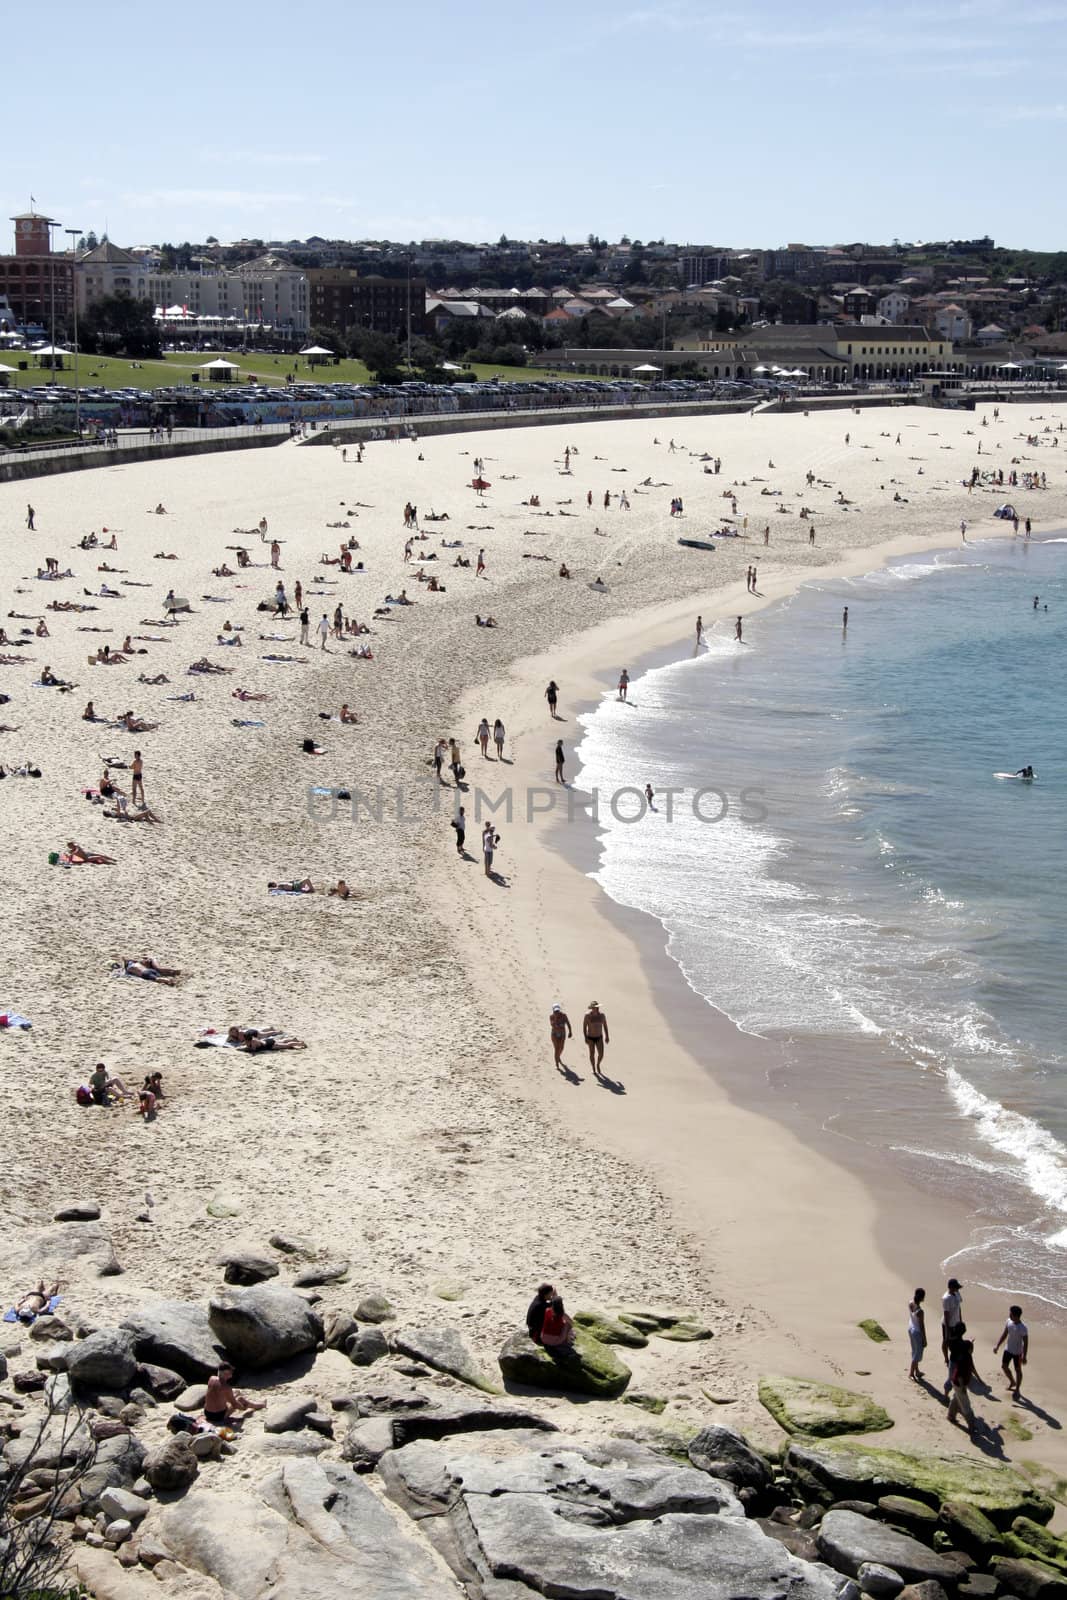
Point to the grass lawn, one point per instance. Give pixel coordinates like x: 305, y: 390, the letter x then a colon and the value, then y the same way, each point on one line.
x: 110, y: 373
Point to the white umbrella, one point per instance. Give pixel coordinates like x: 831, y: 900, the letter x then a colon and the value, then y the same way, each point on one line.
x: 1012, y: 365
x: 761, y: 369
x: 647, y: 367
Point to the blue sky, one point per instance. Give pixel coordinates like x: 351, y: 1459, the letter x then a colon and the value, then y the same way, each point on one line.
x: 733, y: 123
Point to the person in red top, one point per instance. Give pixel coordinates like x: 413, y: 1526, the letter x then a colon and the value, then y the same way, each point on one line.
x: 557, y: 1329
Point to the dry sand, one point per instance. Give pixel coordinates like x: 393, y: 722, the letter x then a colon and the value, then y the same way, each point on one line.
x: 424, y: 1133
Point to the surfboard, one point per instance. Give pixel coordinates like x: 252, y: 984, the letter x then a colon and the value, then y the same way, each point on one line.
x: 1016, y: 776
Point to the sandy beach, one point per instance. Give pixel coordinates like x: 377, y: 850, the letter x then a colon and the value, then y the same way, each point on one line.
x: 424, y: 1133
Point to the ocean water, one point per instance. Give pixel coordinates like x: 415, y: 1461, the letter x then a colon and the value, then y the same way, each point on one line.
x: 860, y: 887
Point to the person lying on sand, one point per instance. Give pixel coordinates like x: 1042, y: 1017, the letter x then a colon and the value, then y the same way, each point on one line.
x: 248, y: 694
x: 123, y: 813
x: 160, y: 678
x: 485, y: 622
x: 160, y: 555
x: 134, y: 724
x: 204, y: 665
x: 234, y: 638
x: 87, y: 858
x: 35, y: 1302
x: 146, y: 967
x: 256, y: 1039
x: 298, y: 886
x: 362, y: 652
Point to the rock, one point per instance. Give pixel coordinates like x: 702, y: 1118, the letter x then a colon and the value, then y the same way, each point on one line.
x: 610, y: 1330
x: 58, y: 1393
x: 847, y: 1541
x: 930, y: 1589
x: 882, y: 1583
x: 161, y: 1382
x: 264, y: 1327
x: 368, y: 1347
x: 119, y: 1531
x: 1045, y: 1545
x: 223, y: 1205
x: 833, y: 1471
x: 123, y: 1503
x: 178, y: 1335
x: 800, y: 1405
x: 325, y: 1272
x: 173, y: 1465
x: 443, y: 1349
x: 797, y: 1540
x: 104, y: 1360
x: 50, y: 1330
x: 321, y: 1422
x: 339, y: 1329
x: 437, y: 1422
x: 366, y: 1442
x: 292, y: 1244
x: 591, y: 1368
x: 449, y: 1289
x: 26, y: 1382
x: 66, y: 1250
x: 192, y: 1398
x: 132, y: 1415
x: 375, y: 1307
x: 979, y: 1586
x: 725, y: 1454
x: 653, y: 1403
x: 78, y: 1211
x: 687, y: 1330
x: 244, y: 1264
x: 151, y: 1550
x: 610, y: 1520
x: 206, y: 1446
x: 288, y: 1415
x: 914, y: 1515
x: 874, y: 1330
x: 385, y: 1397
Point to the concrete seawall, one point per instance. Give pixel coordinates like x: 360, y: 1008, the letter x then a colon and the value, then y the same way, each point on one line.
x: 487, y: 421
x: 14, y: 466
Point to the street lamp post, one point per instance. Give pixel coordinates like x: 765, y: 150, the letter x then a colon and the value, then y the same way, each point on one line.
x: 52, y: 264
x: 74, y: 234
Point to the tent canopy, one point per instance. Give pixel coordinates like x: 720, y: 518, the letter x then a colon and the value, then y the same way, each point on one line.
x: 316, y: 350
x: 219, y: 364
x: 646, y: 366
x: 51, y: 350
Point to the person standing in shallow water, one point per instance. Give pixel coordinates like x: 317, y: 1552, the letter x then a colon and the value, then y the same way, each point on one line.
x: 559, y: 762
x: 552, y: 695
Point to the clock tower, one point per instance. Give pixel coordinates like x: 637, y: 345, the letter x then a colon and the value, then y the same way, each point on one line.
x: 31, y: 234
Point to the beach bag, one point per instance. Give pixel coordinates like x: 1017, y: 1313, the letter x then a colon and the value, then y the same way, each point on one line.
x: 461, y: 772
x: 83, y: 1096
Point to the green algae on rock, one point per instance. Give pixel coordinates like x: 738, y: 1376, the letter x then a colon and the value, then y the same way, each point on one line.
x: 800, y: 1405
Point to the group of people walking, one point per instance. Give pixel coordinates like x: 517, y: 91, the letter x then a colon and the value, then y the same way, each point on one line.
x: 958, y: 1351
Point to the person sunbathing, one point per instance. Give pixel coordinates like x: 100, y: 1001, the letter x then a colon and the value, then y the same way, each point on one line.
x: 146, y: 967
x: 222, y: 572
x: 256, y: 1039
x: 461, y: 561
x: 161, y: 555
x: 234, y: 639
x: 134, y: 724
x: 485, y: 622
x: 122, y: 812
x: 41, y: 630
x: 35, y: 1302
x: 50, y: 681
x: 160, y: 677
x: 298, y: 886
x: 243, y: 558
x: 340, y: 889
x: 248, y: 694
x: 564, y: 570
x: 87, y: 858
x: 362, y: 652
x: 204, y: 665
x: 108, y: 594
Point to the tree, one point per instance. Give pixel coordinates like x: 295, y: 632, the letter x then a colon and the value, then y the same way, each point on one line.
x: 120, y: 325
x: 33, y: 1560
x: 91, y: 241
x: 381, y: 354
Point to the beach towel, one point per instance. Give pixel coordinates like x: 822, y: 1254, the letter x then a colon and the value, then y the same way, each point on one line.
x: 292, y: 893
x: 13, y: 1019
x: 11, y: 1315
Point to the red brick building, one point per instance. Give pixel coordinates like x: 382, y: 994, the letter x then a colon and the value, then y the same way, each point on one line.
x: 34, y: 278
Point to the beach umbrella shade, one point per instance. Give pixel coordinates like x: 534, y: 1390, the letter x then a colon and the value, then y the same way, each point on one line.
x: 760, y: 369
x: 480, y: 484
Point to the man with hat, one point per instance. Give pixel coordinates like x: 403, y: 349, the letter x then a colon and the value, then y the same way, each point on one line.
x: 951, y: 1319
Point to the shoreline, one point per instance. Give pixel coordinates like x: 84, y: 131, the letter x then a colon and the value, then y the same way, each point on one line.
x: 802, y: 1185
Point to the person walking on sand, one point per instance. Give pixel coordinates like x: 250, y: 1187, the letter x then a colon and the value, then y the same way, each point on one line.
x: 490, y: 840
x: 483, y: 737
x: 454, y: 761
x: 963, y: 530
x: 916, y: 1332
x: 737, y: 631
x: 951, y: 1318
x: 481, y: 564
x: 499, y: 735
x: 323, y: 630
x: 1016, y: 1342
x: 305, y: 623
x: 459, y: 823
x: 560, y: 1030
x: 961, y: 1374
x: 624, y: 683
x: 440, y: 750
x: 30, y: 514
x: 595, y: 1034
x: 700, y: 630
x: 552, y: 695
x: 275, y: 553
x: 559, y: 762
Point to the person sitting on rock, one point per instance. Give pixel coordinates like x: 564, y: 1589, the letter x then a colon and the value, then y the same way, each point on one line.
x: 557, y: 1329
x: 535, y: 1315
x: 221, y: 1403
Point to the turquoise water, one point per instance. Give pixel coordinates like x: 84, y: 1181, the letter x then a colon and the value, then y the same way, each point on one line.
x: 899, y: 915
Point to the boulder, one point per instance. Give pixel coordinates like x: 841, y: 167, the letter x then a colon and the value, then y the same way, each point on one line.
x: 913, y: 1515
x: 263, y: 1327
x: 104, y: 1360
x: 655, y: 1404
x: 725, y: 1454
x: 312, y: 1276
x: 367, y: 1442
x: 833, y: 1471
x: 368, y: 1347
x: 847, y: 1541
x: 244, y: 1264
x: 1029, y: 1579
x: 292, y: 1244
x: 288, y: 1414
x: 67, y: 1250
x: 173, y: 1465
x: 122, y: 1503
x: 882, y: 1583
x: 929, y: 1589
x: 589, y: 1368
x: 800, y: 1405
x: 223, y: 1205
x: 50, y: 1329
x: 375, y: 1307
x: 176, y: 1334
x: 665, y: 1322
x: 610, y: 1330
x: 192, y: 1398
x: 384, y: 1397
x: 610, y: 1520
x: 78, y: 1211
x: 443, y: 1349
x: 339, y: 1328
x: 118, y: 1464
x: 163, y: 1383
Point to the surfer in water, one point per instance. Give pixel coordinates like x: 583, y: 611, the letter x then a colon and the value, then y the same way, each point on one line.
x: 1026, y: 772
